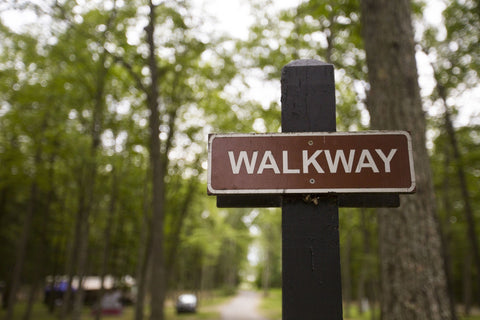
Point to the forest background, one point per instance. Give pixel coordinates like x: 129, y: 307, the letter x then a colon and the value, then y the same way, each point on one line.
x: 105, y: 108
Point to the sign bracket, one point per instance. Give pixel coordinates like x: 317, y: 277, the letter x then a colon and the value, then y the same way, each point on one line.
x: 351, y: 200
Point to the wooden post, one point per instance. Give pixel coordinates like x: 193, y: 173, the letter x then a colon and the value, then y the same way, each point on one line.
x: 311, y: 249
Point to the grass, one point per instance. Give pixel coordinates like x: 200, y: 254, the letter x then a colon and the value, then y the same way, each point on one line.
x: 354, y: 313
x: 270, y: 307
x: 40, y: 312
x: 206, y: 311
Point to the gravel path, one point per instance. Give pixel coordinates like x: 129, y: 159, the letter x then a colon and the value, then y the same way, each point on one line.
x: 242, y: 307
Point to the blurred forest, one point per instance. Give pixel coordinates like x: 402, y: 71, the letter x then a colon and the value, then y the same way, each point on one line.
x: 105, y: 109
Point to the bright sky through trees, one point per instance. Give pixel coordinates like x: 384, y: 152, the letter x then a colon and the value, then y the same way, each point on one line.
x: 234, y: 17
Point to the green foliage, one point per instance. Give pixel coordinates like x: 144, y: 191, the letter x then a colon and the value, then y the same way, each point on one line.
x: 450, y: 201
x: 86, y: 72
x: 455, y: 58
x: 314, y: 30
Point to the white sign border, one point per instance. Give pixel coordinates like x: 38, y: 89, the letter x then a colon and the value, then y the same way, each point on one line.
x: 213, y: 191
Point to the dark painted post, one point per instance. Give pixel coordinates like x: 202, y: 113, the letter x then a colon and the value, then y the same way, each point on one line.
x: 311, y: 248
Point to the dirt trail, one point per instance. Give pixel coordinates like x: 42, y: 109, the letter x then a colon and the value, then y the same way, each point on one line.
x: 242, y: 307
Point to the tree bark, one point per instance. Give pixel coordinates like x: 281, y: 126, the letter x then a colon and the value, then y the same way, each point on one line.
x: 22, y: 246
x: 70, y: 271
x: 266, y: 274
x: 365, y: 265
x: 25, y: 235
x: 108, y: 238
x: 31, y: 299
x: 462, y: 179
x: 177, y: 227
x: 413, y: 280
x: 142, y: 278
x: 347, y: 276
x: 444, y: 235
x: 158, y: 289
x: 85, y: 207
x: 467, y: 282
x: 143, y: 253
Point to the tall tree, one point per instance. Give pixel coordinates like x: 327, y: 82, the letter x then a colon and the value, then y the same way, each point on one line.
x: 455, y: 59
x: 27, y: 127
x: 414, y: 285
x: 158, y: 167
x: 24, y: 237
x: 175, y: 79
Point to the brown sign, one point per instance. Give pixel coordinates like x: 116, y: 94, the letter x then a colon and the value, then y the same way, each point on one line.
x: 363, y: 162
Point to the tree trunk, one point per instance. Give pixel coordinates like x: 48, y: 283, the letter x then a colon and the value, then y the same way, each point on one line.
x: 72, y: 251
x: 143, y: 254
x: 85, y: 207
x: 107, y: 239
x: 31, y: 299
x: 266, y: 272
x: 3, y: 203
x: 177, y: 227
x: 444, y: 235
x: 462, y: 179
x: 41, y: 251
x: 365, y: 265
x: 346, y: 275
x: 158, y: 289
x: 412, y: 271
x: 230, y: 269
x: 81, y: 265
x: 22, y: 245
x: 72, y: 259
x: 467, y: 282
x: 27, y: 225
x: 143, y: 280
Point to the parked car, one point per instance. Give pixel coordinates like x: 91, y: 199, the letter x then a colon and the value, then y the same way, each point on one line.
x: 186, y: 303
